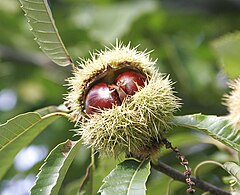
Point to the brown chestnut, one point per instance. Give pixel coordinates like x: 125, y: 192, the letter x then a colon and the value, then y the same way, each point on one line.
x: 130, y: 81
x: 101, y: 96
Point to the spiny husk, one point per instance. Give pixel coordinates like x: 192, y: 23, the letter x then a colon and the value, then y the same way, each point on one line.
x: 232, y: 101
x: 119, y: 56
x: 138, y: 125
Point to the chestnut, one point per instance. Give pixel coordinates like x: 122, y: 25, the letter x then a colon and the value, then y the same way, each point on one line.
x: 101, y: 96
x: 121, y: 122
x: 130, y: 82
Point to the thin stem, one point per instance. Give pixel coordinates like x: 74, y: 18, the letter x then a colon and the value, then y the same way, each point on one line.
x: 169, y: 186
x: 176, y: 175
x: 184, y: 162
x: 196, y: 170
x: 93, y: 167
x: 89, y: 174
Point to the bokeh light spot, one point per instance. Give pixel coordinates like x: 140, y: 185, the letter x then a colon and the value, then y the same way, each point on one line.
x: 29, y: 156
x: 8, y: 99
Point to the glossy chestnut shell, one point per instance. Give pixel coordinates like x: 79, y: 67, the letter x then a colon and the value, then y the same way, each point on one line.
x: 130, y: 82
x: 104, y: 96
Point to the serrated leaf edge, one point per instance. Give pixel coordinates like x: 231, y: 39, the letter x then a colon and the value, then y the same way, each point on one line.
x: 66, y: 60
x: 46, y: 161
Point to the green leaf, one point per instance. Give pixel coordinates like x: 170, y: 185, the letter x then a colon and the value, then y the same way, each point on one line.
x: 17, y: 133
x: 128, y: 178
x: 234, y: 170
x: 52, y: 109
x: 216, y: 127
x: 45, y: 31
x: 227, y: 49
x: 54, y: 169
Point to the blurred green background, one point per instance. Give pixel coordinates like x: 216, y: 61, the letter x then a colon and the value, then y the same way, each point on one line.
x: 180, y: 33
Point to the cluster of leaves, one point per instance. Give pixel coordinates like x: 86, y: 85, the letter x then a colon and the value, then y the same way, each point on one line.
x: 188, y: 57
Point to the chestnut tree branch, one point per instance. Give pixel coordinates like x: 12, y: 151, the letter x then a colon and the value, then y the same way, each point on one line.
x: 176, y: 175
